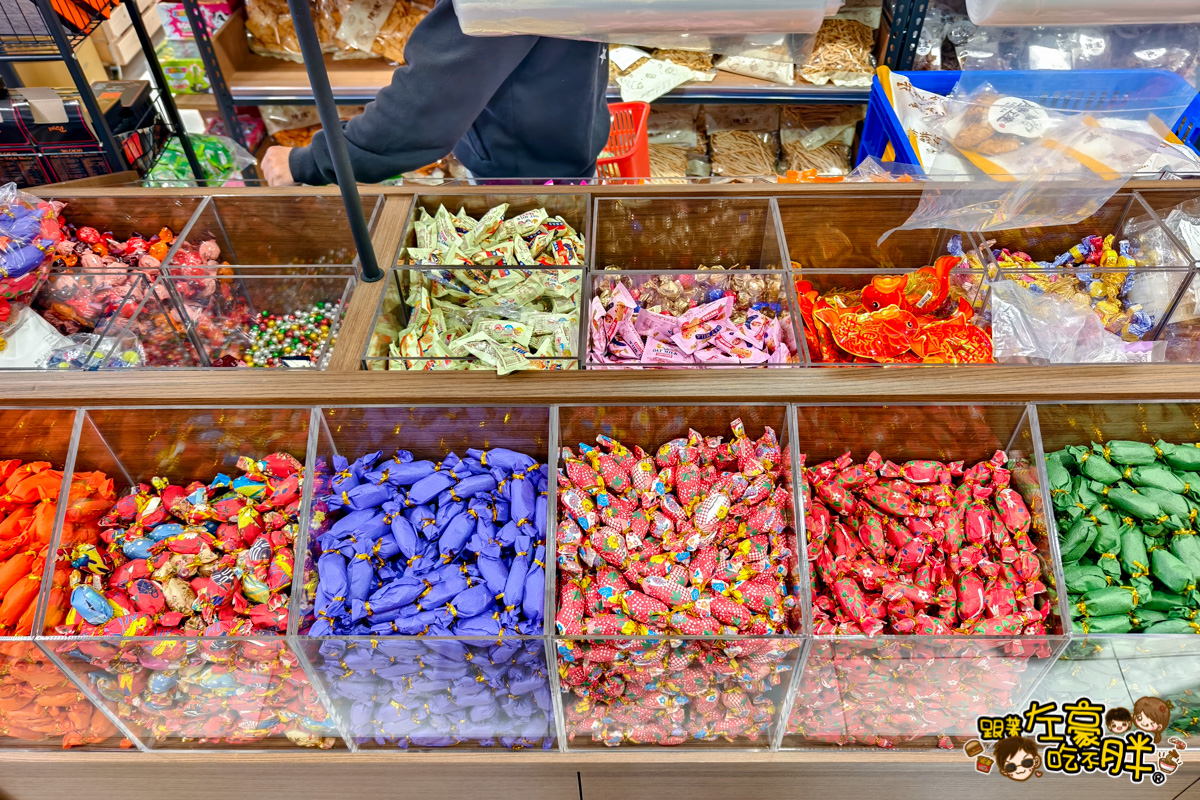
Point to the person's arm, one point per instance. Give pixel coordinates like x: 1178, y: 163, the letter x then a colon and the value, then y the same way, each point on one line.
x: 429, y: 106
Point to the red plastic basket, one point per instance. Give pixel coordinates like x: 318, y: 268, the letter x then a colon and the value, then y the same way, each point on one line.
x: 627, y: 154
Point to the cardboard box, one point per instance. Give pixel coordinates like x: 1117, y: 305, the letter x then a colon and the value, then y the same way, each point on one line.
x: 55, y: 73
x: 119, y: 21
x: 179, y: 28
x: 121, y: 50
x: 183, y: 67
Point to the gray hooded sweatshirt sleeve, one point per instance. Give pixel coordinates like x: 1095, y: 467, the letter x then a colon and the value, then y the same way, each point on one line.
x: 507, y: 106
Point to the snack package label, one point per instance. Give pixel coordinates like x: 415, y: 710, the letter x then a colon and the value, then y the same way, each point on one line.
x: 1019, y: 117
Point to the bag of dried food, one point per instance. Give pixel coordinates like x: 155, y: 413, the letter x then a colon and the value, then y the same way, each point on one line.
x: 744, y: 140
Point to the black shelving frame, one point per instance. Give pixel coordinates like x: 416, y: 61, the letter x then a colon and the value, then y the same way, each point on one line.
x: 25, y: 37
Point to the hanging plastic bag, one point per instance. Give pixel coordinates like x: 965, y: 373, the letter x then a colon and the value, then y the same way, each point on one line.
x: 29, y: 230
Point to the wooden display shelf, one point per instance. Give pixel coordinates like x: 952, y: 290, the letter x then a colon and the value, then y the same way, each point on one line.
x: 653, y: 774
x: 258, y: 80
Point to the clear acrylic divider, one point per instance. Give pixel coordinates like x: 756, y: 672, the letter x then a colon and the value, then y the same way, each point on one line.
x: 292, y: 234
x: 41, y: 706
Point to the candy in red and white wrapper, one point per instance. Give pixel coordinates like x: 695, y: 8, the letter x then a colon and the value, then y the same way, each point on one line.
x: 694, y: 541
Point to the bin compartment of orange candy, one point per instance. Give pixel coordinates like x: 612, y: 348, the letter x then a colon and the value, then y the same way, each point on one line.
x: 38, y: 702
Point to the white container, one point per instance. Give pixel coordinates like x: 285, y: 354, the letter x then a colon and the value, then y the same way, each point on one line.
x: 1082, y: 12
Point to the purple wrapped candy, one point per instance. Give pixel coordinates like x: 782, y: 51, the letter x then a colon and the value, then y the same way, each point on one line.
x: 421, y: 548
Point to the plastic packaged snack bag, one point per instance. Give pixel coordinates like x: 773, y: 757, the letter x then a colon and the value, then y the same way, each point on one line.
x: 672, y: 133
x: 379, y: 27
x: 843, y: 54
x: 819, y: 137
x: 744, y: 140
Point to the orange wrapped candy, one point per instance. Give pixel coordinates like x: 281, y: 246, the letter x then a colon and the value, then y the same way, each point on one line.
x: 37, y: 701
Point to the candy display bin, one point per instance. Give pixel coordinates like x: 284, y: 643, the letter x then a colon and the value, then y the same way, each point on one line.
x: 207, y: 670
x: 892, y: 690
x: 833, y: 232
x: 636, y: 327
x: 1119, y: 669
x: 404, y: 323
x: 430, y: 674
x: 153, y: 333
x: 658, y: 234
x: 252, y: 317
x: 125, y: 216
x: 41, y: 706
x: 1140, y: 289
x: 625, y: 685
x: 280, y: 230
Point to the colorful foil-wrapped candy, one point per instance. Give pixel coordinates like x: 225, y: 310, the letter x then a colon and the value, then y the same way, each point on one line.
x: 923, y: 547
x: 29, y: 231
x: 668, y: 692
x: 496, y: 318
x: 717, y: 317
x: 441, y: 693
x: 1091, y: 274
x: 413, y: 547
x: 29, y: 496
x: 507, y: 314
x: 213, y: 559
x: 1126, y: 514
x: 37, y: 701
x: 206, y: 691
x: 920, y: 317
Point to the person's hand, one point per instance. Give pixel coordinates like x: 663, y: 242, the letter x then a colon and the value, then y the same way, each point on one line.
x: 275, y: 167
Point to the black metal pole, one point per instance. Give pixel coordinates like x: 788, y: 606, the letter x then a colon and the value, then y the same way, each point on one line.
x: 318, y: 78
x: 112, y: 151
x: 216, y: 78
x: 164, y: 90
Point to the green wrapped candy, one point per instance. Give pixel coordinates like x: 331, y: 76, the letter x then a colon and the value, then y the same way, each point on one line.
x: 1085, y: 578
x: 1171, y: 572
x: 1107, y: 601
x: 1093, y: 466
x: 1111, y: 623
x: 1121, y: 451
x: 1185, y: 457
x: 1166, y: 602
x: 1085, y: 496
x: 1141, y: 617
x: 1130, y: 501
x: 1059, y: 478
x: 1157, y: 476
x: 1134, y: 557
x: 1078, y: 539
x: 1174, y: 626
x: 1186, y: 547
